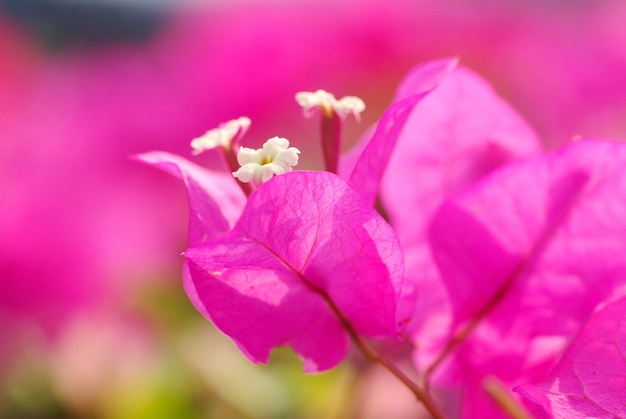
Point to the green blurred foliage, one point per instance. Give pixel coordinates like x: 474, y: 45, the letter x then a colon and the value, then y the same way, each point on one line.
x: 189, y: 370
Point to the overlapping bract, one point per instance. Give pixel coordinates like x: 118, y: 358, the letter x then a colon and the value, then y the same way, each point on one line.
x: 457, y: 133
x: 304, y: 240
x: 531, y: 251
x: 366, y: 165
x: 521, y: 246
x: 354, y: 261
x: 460, y: 133
x: 306, y: 254
x: 590, y: 379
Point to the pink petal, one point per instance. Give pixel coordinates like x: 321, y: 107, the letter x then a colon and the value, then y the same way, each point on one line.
x: 459, y: 133
x: 540, y: 243
x: 303, y: 238
x: 590, y: 379
x: 215, y: 204
x: 215, y: 199
x: 373, y: 155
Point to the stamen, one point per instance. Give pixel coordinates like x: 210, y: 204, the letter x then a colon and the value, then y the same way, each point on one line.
x: 227, y: 136
x: 274, y: 158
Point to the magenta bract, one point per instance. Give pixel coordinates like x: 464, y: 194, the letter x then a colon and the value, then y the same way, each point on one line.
x: 215, y: 200
x: 369, y: 161
x: 590, y: 379
x: 458, y: 133
x: 530, y: 251
x: 307, y: 246
x: 215, y: 204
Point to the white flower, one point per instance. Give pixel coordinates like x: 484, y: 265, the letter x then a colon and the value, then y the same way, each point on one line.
x: 274, y: 158
x: 221, y: 136
x: 313, y: 102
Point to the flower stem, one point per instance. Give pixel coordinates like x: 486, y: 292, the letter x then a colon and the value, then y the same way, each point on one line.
x: 498, y: 392
x: 461, y: 334
x: 331, y: 139
x: 229, y: 155
x: 540, y: 243
x: 421, y: 394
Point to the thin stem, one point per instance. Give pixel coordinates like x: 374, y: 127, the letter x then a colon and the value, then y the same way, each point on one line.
x: 559, y: 214
x: 461, y: 334
x: 496, y: 390
x: 423, y: 396
x: 230, y: 158
x: 331, y: 139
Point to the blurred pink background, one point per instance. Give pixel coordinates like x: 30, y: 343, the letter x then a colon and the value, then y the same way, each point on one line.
x: 90, y: 240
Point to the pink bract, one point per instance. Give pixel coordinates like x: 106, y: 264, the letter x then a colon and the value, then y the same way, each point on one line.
x: 367, y: 163
x: 306, y: 246
x: 590, y: 379
x: 458, y: 133
x: 215, y: 204
x: 530, y: 252
x: 215, y: 199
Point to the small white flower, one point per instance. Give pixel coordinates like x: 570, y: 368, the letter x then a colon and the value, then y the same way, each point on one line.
x: 274, y: 158
x: 313, y: 102
x: 221, y: 136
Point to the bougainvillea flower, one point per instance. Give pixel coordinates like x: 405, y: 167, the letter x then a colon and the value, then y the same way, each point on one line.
x: 307, y: 255
x: 215, y: 201
x: 449, y: 130
x: 526, y: 255
x: 109, y: 229
x: 368, y: 162
x: 590, y: 380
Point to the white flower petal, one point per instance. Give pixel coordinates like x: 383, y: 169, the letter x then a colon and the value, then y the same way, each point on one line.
x: 245, y: 172
x: 350, y: 105
x: 247, y: 155
x: 221, y: 136
x: 274, y: 158
x: 314, y: 102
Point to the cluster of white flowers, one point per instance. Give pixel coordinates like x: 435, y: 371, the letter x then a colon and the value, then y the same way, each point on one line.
x: 275, y: 157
